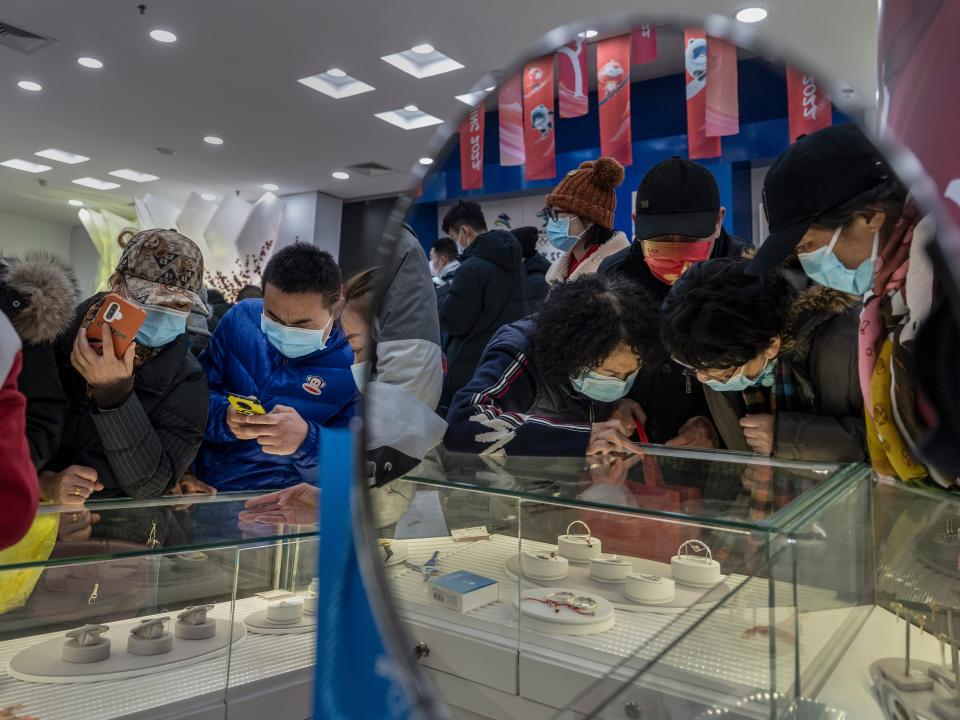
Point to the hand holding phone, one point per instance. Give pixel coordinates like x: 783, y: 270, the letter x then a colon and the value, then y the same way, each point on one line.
x: 124, y: 319
x: 246, y: 405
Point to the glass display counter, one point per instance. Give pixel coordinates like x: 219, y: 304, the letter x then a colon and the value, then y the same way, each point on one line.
x: 699, y: 563
x: 169, y: 608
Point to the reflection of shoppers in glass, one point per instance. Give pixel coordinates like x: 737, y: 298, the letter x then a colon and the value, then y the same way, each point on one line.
x: 678, y: 221
x: 535, y: 266
x: 487, y: 292
x: 286, y: 351
x: 134, y: 423
x: 555, y: 384
x: 580, y: 219
x: 780, y: 369
x: 832, y: 199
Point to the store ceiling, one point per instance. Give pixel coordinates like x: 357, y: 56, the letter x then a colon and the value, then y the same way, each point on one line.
x: 233, y: 73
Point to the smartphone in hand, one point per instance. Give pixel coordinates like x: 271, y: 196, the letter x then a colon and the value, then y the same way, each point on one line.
x: 245, y: 405
x: 124, y: 319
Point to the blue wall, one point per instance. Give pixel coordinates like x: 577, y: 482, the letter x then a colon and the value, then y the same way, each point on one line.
x: 659, y: 127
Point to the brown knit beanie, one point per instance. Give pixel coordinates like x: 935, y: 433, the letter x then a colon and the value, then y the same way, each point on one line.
x: 590, y: 191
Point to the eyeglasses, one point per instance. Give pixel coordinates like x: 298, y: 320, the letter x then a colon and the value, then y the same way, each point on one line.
x: 580, y: 604
x: 720, y: 375
x: 554, y: 214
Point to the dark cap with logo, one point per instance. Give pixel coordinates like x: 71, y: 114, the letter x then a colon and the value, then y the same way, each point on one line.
x: 815, y: 174
x: 677, y: 197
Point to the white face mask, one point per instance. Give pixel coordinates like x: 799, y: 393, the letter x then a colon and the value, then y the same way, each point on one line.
x: 433, y: 269
x: 359, y: 370
x: 461, y: 246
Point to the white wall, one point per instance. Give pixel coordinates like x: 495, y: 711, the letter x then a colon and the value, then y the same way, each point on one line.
x: 314, y: 218
x: 19, y: 234
x: 84, y: 259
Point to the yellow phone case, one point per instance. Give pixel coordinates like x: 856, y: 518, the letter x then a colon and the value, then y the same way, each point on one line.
x: 246, y: 405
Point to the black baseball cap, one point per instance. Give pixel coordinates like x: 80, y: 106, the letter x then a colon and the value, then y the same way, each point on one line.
x: 677, y: 197
x: 815, y: 174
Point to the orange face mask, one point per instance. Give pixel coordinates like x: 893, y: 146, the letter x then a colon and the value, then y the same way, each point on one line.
x: 669, y: 260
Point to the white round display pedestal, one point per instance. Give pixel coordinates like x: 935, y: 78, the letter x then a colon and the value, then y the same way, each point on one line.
x: 578, y: 548
x: 544, y: 565
x: 649, y: 589
x: 562, y: 620
x: 43, y: 663
x: 696, y: 570
x: 150, y: 646
x: 186, y: 631
x: 73, y: 652
x: 610, y: 569
x: 310, y: 603
x: 286, y: 611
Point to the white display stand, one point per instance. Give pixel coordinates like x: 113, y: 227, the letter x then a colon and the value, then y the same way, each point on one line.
x: 257, y: 622
x: 563, y: 620
x: 43, y: 663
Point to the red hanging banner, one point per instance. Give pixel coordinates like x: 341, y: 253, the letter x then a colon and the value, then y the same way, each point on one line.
x: 644, y: 43
x: 613, y: 95
x: 723, y: 106
x: 699, y: 144
x: 538, y: 133
x: 471, y: 149
x: 808, y: 105
x: 510, y: 111
x: 572, y: 78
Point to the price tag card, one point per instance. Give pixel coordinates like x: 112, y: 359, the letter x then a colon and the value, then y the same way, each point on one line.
x: 470, y: 534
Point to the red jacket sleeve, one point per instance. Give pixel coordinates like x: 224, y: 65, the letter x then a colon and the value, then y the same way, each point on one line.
x: 18, y: 478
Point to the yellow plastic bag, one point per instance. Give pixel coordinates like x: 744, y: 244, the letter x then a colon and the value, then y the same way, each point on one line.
x: 36, y: 546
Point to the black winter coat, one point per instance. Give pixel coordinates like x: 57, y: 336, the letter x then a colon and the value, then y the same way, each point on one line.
x: 669, y: 394
x: 144, y: 446
x: 487, y: 293
x: 536, y: 269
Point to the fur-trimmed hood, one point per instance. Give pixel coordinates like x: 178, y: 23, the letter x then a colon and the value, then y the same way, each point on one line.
x: 812, y: 308
x: 39, y: 294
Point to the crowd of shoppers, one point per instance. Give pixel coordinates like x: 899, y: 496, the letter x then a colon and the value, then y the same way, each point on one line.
x: 685, y: 336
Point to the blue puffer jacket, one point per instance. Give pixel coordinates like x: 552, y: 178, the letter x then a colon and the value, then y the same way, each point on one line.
x: 239, y: 359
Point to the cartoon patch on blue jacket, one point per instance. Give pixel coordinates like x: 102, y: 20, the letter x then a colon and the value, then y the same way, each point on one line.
x: 314, y: 384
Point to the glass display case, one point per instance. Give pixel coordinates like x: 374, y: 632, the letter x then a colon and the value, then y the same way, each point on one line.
x: 171, y: 608
x: 531, y: 585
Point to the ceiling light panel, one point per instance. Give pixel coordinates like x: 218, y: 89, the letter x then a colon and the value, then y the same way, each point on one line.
x: 163, y: 36
x: 751, y: 14
x: 30, y: 85
x: 270, y: 187
x: 422, y: 64
x: 409, y: 119
x: 62, y: 156
x: 134, y: 176
x: 340, y: 175
x: 89, y: 62
x: 336, y: 83
x: 213, y: 140
x: 472, y: 98
x: 76, y: 203
x: 95, y: 183
x: 25, y: 165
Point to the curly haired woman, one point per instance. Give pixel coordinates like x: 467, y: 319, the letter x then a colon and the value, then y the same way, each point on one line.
x: 554, y: 384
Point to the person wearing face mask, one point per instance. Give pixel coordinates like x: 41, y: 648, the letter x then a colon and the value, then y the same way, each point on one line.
x: 678, y: 221
x: 287, y: 351
x: 780, y: 368
x: 487, y: 292
x: 444, y: 261
x: 831, y: 199
x: 555, y: 384
x: 580, y: 219
x: 134, y: 423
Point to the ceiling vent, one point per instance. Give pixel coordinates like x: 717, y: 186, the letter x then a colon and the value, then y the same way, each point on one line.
x: 371, y: 169
x: 22, y: 40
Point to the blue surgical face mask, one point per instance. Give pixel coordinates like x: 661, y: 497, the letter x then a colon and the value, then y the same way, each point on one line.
x: 824, y: 267
x: 162, y: 326
x: 558, y: 234
x: 293, y: 342
x: 739, y: 381
x: 359, y: 370
x: 601, y: 387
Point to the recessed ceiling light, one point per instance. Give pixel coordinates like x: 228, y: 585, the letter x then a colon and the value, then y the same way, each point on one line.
x: 89, y: 62
x: 62, y: 156
x: 270, y: 187
x: 336, y: 83
x: 588, y: 34
x: 30, y: 85
x: 75, y: 203
x: 411, y: 108
x: 472, y: 98
x: 422, y: 61
x: 95, y: 184
x: 340, y: 175
x: 25, y: 165
x: 163, y: 36
x: 209, y: 197
x: 489, y: 89
x: 213, y: 140
x: 133, y: 175
x: 751, y: 14
x: 426, y: 161
x: 409, y: 119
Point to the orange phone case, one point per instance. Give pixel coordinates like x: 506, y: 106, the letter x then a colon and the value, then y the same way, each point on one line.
x: 124, y: 319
